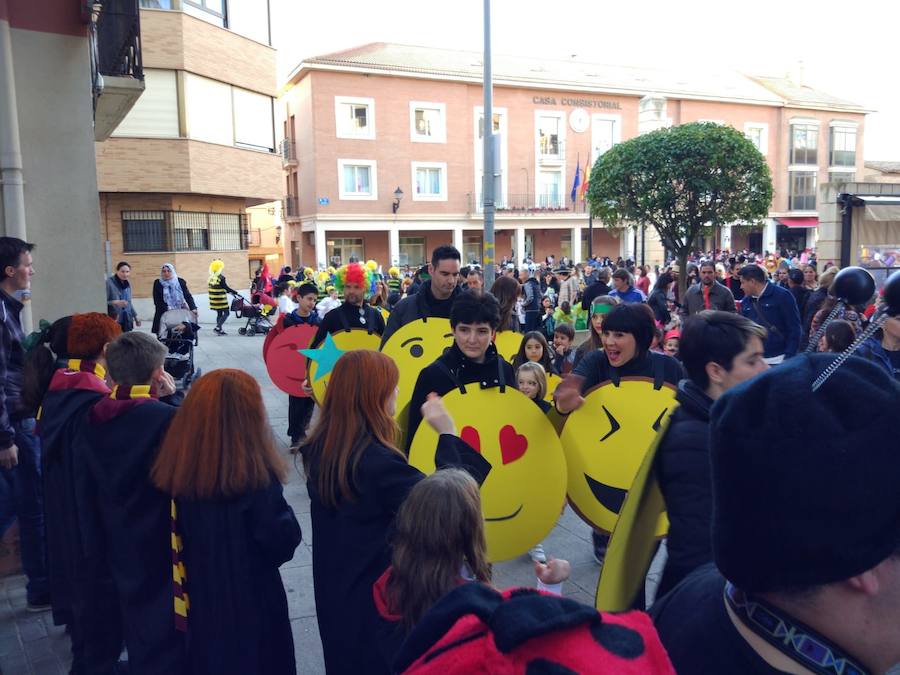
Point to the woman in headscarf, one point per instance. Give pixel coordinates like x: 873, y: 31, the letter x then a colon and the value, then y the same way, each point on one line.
x: 170, y: 292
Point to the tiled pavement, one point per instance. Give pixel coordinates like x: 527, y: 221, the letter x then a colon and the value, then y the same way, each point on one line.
x: 30, y: 644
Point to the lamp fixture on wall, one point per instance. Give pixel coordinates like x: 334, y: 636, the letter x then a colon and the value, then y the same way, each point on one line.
x: 398, y: 195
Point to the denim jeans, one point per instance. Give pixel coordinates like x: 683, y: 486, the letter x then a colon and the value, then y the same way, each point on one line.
x: 23, y: 497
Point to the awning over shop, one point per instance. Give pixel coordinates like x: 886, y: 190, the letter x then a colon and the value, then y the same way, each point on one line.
x: 882, y: 207
x: 811, y: 221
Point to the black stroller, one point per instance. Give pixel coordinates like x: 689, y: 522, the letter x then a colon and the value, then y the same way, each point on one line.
x: 256, y: 313
x: 178, y: 332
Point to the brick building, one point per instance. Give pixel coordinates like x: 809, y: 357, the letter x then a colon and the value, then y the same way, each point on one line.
x: 198, y: 148
x: 361, y: 124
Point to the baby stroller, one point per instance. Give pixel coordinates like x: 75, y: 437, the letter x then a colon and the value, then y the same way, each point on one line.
x: 178, y: 332
x: 256, y: 312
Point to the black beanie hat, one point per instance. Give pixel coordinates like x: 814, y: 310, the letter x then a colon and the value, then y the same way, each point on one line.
x: 806, y: 486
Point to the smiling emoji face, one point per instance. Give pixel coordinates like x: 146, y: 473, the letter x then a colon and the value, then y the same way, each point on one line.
x: 323, y: 358
x: 507, y: 343
x: 524, y: 493
x: 414, y: 346
x: 606, y: 440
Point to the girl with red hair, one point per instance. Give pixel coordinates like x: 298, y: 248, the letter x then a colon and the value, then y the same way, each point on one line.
x: 218, y: 462
x: 357, y: 479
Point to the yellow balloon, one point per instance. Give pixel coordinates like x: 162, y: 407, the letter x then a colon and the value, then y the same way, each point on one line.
x: 508, y: 343
x: 553, y: 381
x: 522, y: 497
x: 412, y: 347
x: 345, y: 341
x: 606, y: 440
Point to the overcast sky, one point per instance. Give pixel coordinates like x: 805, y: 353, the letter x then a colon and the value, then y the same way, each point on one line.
x: 848, y: 51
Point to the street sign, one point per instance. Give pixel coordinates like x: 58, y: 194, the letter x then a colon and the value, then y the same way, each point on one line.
x: 324, y: 201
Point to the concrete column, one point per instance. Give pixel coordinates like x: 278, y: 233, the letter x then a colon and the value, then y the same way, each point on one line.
x: 770, y: 236
x: 576, y: 244
x: 394, y: 244
x: 725, y: 237
x: 321, y: 247
x: 458, y: 241
x: 520, y: 245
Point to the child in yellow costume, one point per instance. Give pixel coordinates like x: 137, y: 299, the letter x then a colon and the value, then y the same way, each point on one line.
x: 217, y: 289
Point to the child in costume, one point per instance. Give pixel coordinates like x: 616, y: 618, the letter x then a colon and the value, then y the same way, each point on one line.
x: 217, y: 288
x: 300, y: 408
x: 82, y: 594
x: 119, y: 441
x: 563, y: 351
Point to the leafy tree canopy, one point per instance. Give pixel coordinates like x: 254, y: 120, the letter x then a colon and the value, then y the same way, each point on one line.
x: 684, y: 181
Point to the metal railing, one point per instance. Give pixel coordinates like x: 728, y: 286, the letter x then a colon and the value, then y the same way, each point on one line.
x: 290, y: 207
x: 174, y: 231
x: 119, y: 39
x: 527, y: 204
x: 288, y: 150
x: 551, y: 151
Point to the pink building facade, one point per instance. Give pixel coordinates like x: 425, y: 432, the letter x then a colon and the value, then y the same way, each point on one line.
x: 382, y: 152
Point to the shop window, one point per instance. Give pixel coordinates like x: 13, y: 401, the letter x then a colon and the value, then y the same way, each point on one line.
x: 341, y: 250
x: 412, y: 251
x: 472, y: 248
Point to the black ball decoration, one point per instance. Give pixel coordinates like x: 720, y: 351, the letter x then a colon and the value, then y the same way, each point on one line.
x: 853, y: 286
x: 892, y: 294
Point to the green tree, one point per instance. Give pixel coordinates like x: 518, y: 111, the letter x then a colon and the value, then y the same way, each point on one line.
x: 685, y: 181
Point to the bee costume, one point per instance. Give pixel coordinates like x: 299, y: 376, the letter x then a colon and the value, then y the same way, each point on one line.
x: 218, y: 301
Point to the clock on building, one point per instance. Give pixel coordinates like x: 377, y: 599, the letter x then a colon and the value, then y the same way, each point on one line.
x: 579, y: 120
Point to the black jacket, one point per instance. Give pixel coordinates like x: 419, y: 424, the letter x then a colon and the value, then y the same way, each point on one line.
x: 352, y: 548
x: 660, y: 306
x: 595, y: 290
x: 435, y: 378
x: 160, y: 305
x: 422, y: 304
x: 682, y: 467
x: 801, y: 295
x: 347, y: 317
x: 238, y: 622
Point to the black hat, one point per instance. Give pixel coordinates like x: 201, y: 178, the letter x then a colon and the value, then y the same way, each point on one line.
x: 795, y: 275
x: 805, y: 485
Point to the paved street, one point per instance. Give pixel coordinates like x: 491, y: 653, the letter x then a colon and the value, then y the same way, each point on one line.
x: 29, y: 643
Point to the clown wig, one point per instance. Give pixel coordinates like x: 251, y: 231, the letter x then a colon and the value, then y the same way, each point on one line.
x: 354, y: 273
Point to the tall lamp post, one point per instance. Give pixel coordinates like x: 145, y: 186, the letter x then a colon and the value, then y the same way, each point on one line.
x: 487, y: 189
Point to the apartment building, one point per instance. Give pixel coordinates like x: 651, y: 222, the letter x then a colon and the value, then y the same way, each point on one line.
x: 383, y: 151
x: 198, y: 148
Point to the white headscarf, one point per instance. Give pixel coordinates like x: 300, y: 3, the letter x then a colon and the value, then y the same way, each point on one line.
x: 172, y: 294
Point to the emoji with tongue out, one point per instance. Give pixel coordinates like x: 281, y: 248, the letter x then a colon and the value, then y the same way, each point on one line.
x: 522, y: 497
x: 605, y: 441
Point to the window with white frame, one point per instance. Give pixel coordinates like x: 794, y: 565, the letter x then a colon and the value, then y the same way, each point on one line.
x: 354, y: 117
x: 550, y: 134
x: 550, y: 192
x: 606, y: 131
x: 802, y: 195
x: 804, y: 142
x: 427, y: 122
x: 758, y: 134
x: 340, y: 250
x: 412, y: 251
x: 253, y: 120
x: 357, y: 179
x: 211, y: 11
x: 843, y: 145
x: 429, y: 180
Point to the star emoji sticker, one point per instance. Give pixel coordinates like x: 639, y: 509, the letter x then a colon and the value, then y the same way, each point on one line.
x: 326, y: 355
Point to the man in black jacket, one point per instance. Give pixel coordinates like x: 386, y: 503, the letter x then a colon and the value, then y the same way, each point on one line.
x: 472, y: 358
x: 718, y: 350
x: 434, y: 297
x: 596, y: 289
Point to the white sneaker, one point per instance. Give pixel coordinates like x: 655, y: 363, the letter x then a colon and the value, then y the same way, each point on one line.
x: 537, y: 554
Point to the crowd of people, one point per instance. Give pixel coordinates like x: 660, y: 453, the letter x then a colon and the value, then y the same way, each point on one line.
x: 154, y: 520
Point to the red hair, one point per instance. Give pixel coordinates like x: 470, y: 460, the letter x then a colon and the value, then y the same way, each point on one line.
x: 89, y: 333
x: 353, y: 415
x: 219, y: 444
x: 356, y: 274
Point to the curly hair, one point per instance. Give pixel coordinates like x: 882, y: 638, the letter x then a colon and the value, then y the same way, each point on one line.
x: 354, y: 273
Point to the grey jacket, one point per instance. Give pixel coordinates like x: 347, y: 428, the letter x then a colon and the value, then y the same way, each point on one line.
x: 720, y: 298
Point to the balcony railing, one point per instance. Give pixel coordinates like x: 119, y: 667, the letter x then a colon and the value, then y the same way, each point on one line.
x: 527, y: 204
x: 119, y: 39
x: 288, y: 150
x: 550, y: 151
x: 290, y: 207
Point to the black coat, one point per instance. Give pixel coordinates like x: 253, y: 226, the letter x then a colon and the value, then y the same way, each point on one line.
x: 595, y: 290
x: 160, y: 305
x: 660, y: 306
x: 120, y: 442
x: 351, y: 549
x: 419, y: 305
x: 434, y: 378
x: 347, y: 317
x: 682, y: 467
x: 238, y: 619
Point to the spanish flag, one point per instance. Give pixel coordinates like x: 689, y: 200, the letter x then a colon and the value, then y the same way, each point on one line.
x: 587, y: 178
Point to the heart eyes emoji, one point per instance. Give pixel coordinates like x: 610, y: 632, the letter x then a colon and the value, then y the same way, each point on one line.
x: 512, y: 444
